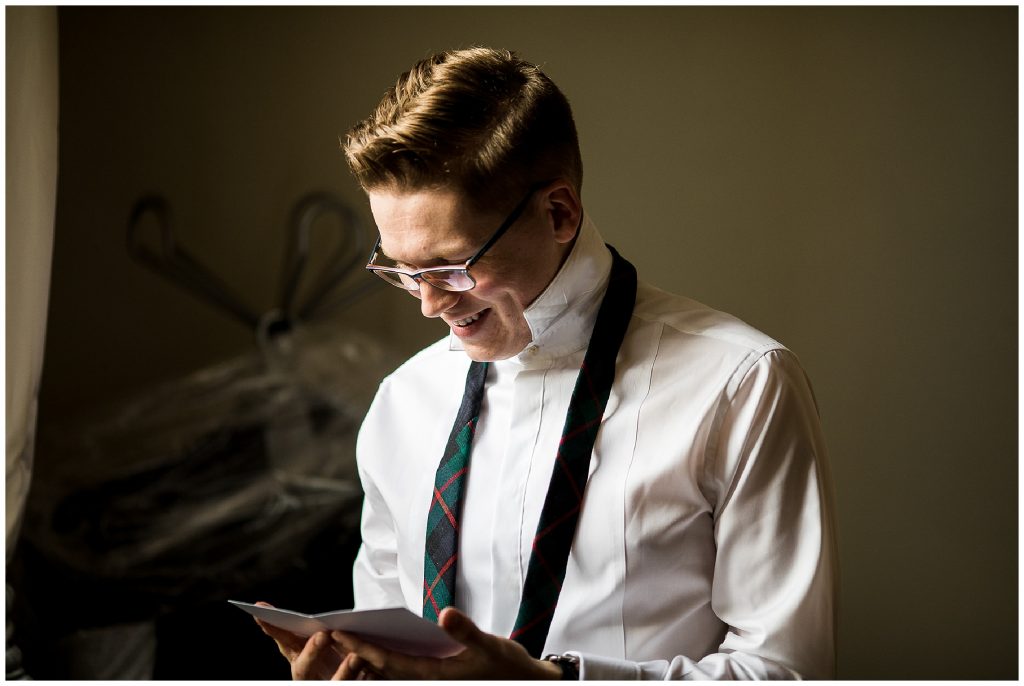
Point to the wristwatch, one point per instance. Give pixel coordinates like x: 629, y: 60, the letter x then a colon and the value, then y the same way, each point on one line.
x: 569, y: 664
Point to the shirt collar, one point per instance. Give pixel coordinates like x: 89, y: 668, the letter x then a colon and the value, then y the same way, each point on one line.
x: 563, y: 315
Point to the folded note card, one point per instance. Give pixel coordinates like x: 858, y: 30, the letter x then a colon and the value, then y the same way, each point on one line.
x: 394, y: 628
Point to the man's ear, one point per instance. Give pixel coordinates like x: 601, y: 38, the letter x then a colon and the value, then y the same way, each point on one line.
x: 564, y: 208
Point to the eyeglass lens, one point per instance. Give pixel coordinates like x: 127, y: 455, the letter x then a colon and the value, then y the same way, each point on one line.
x: 449, y: 280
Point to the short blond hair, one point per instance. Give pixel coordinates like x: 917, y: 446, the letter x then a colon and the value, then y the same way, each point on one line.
x: 480, y: 121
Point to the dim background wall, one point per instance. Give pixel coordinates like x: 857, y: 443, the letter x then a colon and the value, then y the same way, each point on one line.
x: 843, y: 178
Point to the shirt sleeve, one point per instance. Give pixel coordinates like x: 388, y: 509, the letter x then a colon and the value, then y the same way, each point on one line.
x: 766, y: 474
x: 375, y: 572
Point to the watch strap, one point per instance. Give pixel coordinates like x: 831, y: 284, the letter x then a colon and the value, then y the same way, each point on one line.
x: 569, y: 664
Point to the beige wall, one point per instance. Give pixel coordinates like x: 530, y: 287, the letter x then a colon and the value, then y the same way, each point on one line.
x: 845, y: 179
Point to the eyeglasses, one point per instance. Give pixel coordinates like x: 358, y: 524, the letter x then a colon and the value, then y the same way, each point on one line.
x: 447, y: 278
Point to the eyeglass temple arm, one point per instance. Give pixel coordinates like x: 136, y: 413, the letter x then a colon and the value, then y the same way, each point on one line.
x: 507, y: 224
x: 373, y: 253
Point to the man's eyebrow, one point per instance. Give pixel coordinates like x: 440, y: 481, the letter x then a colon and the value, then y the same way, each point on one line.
x: 398, y: 262
x: 432, y: 262
x: 384, y: 253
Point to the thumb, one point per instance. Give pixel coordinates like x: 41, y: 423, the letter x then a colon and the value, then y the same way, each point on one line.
x: 460, y: 627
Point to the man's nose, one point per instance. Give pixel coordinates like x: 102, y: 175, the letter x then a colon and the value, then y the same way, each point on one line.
x: 434, y: 301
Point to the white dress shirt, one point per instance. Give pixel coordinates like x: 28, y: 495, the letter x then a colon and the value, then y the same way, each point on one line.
x: 706, y: 546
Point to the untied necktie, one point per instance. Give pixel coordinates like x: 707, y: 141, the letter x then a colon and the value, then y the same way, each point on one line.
x: 557, y: 526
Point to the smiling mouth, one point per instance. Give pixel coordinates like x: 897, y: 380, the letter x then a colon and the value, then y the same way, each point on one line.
x: 468, y: 320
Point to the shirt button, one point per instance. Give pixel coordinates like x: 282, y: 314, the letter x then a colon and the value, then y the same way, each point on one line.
x: 532, y: 350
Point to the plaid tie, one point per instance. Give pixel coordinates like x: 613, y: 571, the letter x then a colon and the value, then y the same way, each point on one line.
x: 564, y: 499
x: 446, y: 504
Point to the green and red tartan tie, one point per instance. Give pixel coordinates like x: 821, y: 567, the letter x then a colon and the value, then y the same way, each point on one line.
x: 446, y: 504
x: 564, y: 499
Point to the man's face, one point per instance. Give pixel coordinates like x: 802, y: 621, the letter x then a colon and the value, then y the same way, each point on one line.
x: 431, y: 228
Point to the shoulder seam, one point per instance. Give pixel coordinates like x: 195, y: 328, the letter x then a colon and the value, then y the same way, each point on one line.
x: 711, y: 445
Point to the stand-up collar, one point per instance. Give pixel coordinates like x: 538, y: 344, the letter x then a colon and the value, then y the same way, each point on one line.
x: 563, y: 315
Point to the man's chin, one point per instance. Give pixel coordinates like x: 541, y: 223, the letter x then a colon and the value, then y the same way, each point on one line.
x: 481, y: 352
x: 488, y: 341
x: 480, y: 355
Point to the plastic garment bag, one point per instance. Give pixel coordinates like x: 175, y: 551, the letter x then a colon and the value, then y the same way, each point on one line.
x: 216, y: 481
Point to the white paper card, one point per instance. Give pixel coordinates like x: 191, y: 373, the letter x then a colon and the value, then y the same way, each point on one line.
x: 394, y: 628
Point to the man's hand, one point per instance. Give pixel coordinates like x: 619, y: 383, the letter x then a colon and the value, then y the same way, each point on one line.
x: 314, y: 658
x: 486, y: 657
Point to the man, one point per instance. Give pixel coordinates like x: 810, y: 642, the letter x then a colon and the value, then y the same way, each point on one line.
x: 648, y: 494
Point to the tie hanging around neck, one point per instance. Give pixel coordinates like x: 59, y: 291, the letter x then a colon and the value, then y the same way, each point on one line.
x: 446, y: 504
x: 560, y: 514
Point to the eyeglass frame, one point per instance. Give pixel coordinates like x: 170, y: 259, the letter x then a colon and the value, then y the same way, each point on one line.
x: 417, y: 275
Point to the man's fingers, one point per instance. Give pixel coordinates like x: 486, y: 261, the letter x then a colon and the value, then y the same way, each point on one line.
x: 356, y: 648
x: 355, y: 668
x: 461, y: 628
x: 288, y: 643
x: 304, y: 664
x: 369, y: 656
x: 346, y: 670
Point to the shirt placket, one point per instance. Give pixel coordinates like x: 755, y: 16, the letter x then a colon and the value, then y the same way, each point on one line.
x: 510, y: 516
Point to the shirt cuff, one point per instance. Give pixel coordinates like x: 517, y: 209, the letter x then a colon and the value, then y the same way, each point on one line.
x: 599, y: 668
